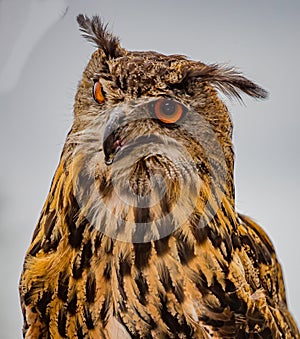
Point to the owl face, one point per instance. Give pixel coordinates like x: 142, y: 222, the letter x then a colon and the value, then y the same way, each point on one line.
x: 150, y: 139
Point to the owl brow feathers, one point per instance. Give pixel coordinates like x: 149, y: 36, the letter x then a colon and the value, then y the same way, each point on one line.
x: 96, y: 32
x: 226, y: 79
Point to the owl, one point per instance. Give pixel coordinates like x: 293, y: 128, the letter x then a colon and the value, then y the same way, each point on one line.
x: 139, y: 236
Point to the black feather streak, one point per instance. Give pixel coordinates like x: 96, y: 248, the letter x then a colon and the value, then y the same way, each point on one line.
x: 90, y: 288
x: 143, y: 288
x: 142, y: 254
x: 63, y: 283
x: 72, y: 304
x: 43, y: 302
x: 162, y: 246
x: 88, y: 319
x: 62, y: 321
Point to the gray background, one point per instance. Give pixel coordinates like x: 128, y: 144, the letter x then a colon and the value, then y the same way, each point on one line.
x: 41, y: 59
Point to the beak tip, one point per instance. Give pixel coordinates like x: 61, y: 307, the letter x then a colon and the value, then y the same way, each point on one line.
x: 109, y: 161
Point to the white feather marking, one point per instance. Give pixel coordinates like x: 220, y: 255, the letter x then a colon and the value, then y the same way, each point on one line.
x: 116, y: 330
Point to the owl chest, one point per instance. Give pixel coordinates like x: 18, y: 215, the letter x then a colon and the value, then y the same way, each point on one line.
x: 145, y: 293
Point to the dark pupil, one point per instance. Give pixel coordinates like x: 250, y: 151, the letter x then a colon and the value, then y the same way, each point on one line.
x: 168, y: 107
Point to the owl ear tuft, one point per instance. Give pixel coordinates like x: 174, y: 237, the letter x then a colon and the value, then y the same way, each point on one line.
x: 95, y: 31
x: 228, y: 80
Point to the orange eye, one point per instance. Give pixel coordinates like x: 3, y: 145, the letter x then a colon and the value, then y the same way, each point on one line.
x: 98, y: 92
x: 168, y: 111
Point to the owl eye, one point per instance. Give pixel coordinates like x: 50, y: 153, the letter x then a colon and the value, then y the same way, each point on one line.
x: 168, y: 111
x: 98, y: 92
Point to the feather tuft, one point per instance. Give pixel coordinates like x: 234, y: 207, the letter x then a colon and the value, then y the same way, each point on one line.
x: 228, y: 80
x: 95, y: 31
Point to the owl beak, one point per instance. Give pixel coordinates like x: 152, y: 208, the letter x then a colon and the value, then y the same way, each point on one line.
x: 111, y: 137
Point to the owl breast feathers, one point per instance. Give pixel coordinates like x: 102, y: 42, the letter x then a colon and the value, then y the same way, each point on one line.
x: 139, y: 236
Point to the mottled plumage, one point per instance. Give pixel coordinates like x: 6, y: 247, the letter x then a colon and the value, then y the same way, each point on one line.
x: 139, y: 236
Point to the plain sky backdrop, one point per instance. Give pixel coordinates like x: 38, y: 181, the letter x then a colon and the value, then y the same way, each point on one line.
x: 42, y: 57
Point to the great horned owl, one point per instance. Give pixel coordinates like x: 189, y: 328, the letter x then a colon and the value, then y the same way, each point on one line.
x: 139, y: 236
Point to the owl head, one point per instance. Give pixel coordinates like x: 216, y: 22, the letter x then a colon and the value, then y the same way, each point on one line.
x: 151, y: 141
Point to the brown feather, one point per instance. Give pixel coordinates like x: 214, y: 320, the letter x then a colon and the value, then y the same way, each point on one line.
x: 139, y: 236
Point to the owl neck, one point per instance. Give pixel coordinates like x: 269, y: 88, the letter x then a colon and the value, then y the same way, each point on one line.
x: 81, y: 206
x: 66, y: 224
